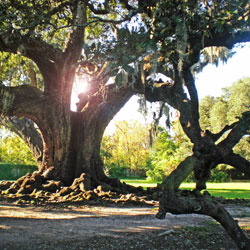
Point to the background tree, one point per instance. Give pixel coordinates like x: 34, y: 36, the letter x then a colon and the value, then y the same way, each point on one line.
x: 216, y: 113
x: 205, y: 107
x: 14, y: 150
x: 238, y: 98
x: 162, y: 156
x: 126, y: 152
x: 168, y: 151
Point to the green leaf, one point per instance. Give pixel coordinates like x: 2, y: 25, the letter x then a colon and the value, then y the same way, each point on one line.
x: 129, y: 69
x: 119, y: 79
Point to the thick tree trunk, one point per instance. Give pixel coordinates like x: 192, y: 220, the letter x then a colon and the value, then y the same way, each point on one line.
x: 71, y: 143
x: 72, y: 148
x: 72, y: 140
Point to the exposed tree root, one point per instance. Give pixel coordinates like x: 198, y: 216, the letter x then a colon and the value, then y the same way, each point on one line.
x: 194, y: 202
x: 38, y: 188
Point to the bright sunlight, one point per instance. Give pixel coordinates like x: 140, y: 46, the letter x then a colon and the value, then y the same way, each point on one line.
x: 80, y: 86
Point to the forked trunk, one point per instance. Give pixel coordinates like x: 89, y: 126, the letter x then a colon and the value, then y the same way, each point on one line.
x: 72, y: 140
x: 72, y: 147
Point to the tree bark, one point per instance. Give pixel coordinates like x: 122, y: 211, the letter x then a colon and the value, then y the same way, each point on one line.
x: 177, y: 176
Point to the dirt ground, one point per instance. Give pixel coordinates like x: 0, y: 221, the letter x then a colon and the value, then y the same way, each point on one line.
x: 90, y: 227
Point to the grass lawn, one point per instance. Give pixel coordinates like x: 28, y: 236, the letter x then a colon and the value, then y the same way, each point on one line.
x: 230, y: 190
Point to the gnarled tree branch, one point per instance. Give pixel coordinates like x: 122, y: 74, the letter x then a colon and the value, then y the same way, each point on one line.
x: 218, y: 135
x: 239, y: 129
x: 227, y: 39
x: 195, y: 203
x: 23, y: 100
x: 238, y: 162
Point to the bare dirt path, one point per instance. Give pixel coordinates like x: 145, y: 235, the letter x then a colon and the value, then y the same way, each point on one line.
x: 83, y: 227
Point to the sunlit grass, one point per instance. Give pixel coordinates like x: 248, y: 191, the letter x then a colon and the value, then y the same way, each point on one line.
x: 140, y: 182
x: 229, y: 190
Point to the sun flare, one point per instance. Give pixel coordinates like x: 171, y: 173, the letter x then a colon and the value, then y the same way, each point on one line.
x: 80, y: 86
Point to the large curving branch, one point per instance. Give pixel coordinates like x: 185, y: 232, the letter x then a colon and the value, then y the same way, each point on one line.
x: 217, y: 136
x: 31, y: 47
x: 238, y: 162
x: 175, y: 96
x: 47, y: 59
x: 115, y: 100
x: 43, y: 54
x: 38, y: 50
x: 174, y: 180
x: 75, y: 44
x: 227, y: 39
x: 239, y: 129
x: 171, y: 202
x: 23, y: 100
x: 108, y: 95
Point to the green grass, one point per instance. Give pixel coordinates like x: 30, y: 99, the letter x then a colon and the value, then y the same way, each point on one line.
x: 229, y: 190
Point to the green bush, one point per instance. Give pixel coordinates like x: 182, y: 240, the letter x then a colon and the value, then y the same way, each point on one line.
x: 156, y: 174
x: 218, y: 175
x: 13, y: 172
x: 116, y: 171
x: 13, y: 150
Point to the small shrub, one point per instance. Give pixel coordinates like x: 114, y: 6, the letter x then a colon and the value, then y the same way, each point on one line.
x: 156, y: 174
x: 115, y: 171
x: 218, y: 175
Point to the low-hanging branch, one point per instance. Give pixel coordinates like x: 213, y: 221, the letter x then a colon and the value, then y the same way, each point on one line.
x: 239, y: 129
x: 227, y: 39
x: 194, y: 202
x: 23, y: 100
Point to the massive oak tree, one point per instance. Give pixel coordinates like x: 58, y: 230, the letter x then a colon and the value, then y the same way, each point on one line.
x: 51, y: 34
x: 65, y: 38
